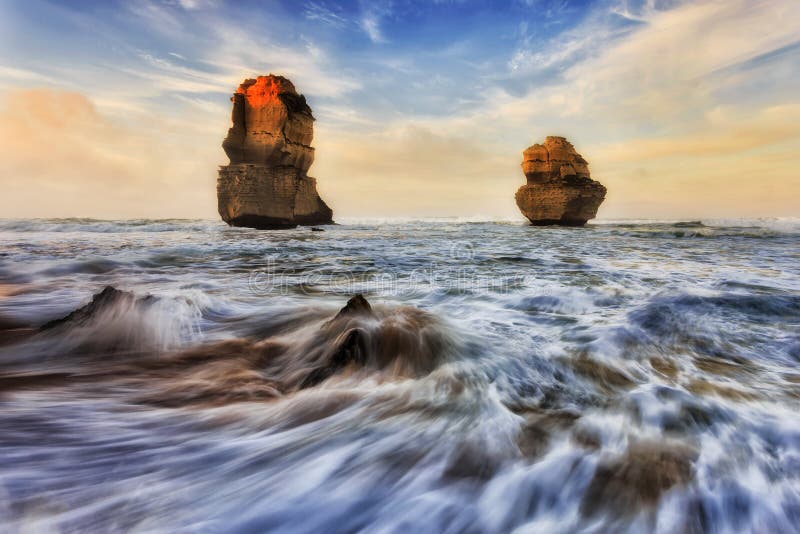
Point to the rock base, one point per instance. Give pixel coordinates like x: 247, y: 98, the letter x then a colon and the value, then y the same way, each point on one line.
x: 560, y: 204
x: 257, y: 196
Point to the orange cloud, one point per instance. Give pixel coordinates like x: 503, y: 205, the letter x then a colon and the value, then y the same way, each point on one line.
x: 61, y: 157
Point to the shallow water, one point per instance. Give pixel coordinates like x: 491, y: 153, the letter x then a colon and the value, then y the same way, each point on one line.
x: 626, y: 376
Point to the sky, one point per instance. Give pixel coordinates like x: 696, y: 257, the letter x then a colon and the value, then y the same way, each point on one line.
x: 423, y: 108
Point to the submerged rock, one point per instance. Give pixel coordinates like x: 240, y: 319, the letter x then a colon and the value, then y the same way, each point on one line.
x: 639, y: 477
x: 559, y: 189
x: 101, y: 301
x: 356, y: 305
x: 352, y: 347
x: 266, y: 184
x: 117, y: 322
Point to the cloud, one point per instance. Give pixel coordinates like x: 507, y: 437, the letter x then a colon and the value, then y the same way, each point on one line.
x: 318, y: 11
x: 412, y: 170
x: 236, y: 53
x: 371, y: 25
x: 667, y: 76
x: 23, y: 76
x: 193, y: 4
x: 371, y: 15
x: 733, y: 166
x: 59, y: 156
x: 666, y: 68
x: 145, y: 76
x: 663, y: 70
x: 726, y: 133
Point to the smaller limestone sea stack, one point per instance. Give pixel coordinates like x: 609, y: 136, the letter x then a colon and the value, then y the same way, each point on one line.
x: 559, y: 189
x: 267, y: 185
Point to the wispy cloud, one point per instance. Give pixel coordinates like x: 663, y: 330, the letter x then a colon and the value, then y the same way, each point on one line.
x: 320, y: 12
x: 372, y: 13
x: 194, y: 4
x: 371, y: 25
x: 23, y: 75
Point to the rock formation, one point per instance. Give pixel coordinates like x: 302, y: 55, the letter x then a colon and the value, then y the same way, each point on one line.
x: 266, y: 184
x: 559, y: 190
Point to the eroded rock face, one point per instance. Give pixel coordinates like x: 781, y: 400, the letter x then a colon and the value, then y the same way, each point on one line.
x: 266, y: 184
x: 559, y: 189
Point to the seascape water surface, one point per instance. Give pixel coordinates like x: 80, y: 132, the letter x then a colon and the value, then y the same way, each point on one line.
x: 630, y: 375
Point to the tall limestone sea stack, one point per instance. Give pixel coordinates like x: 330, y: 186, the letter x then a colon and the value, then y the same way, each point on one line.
x: 559, y: 189
x: 267, y: 185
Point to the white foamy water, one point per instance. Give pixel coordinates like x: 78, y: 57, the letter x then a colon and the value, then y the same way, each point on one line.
x: 628, y: 376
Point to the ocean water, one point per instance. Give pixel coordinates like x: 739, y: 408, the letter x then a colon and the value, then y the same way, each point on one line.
x: 627, y: 376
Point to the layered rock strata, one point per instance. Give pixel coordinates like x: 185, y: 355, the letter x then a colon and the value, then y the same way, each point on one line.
x: 559, y: 189
x: 266, y: 185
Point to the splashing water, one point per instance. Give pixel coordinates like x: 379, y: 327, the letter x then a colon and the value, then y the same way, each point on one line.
x: 626, y: 376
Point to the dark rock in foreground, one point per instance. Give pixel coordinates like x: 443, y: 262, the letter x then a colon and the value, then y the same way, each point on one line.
x: 266, y: 185
x: 356, y: 305
x: 559, y: 189
x: 103, y: 300
x: 360, y: 340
